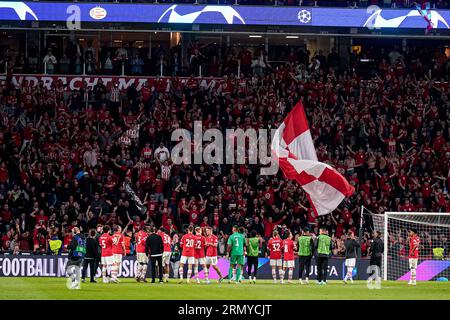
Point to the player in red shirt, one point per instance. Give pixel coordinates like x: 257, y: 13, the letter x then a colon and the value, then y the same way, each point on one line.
x: 289, y: 262
x: 188, y: 253
x: 166, y: 253
x: 275, y: 246
x: 211, y: 243
x: 118, y: 252
x: 413, y: 255
x: 141, y: 256
x: 106, y: 245
x: 199, y: 255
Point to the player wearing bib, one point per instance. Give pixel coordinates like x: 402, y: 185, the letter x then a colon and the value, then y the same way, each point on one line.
x: 305, y: 252
x: 413, y: 255
x: 166, y: 253
x: 211, y: 243
x: 252, y: 255
x: 187, y: 244
x: 288, y: 252
x: 106, y: 245
x: 118, y: 252
x: 324, y: 246
x: 141, y: 256
x: 199, y: 255
x: 351, y: 245
x: 275, y: 245
x: 235, y: 250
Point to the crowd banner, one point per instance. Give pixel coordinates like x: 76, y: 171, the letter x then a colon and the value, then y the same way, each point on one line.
x: 54, y: 266
x: 74, y: 82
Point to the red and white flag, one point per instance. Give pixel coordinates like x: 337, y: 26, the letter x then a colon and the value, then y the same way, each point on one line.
x: 293, y: 145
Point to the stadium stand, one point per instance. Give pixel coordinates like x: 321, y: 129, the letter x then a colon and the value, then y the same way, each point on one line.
x: 65, y: 154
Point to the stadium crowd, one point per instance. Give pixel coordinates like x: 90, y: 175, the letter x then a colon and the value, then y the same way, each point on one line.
x: 65, y: 155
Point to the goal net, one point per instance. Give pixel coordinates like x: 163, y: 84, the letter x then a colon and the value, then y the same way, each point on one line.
x: 433, y: 230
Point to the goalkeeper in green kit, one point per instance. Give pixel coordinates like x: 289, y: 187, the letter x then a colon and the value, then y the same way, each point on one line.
x: 235, y: 250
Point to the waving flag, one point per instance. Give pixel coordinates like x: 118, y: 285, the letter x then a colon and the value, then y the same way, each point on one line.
x: 292, y: 144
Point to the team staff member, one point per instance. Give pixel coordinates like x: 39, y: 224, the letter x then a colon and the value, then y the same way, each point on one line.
x: 376, y: 251
x: 91, y: 256
x: 324, y: 246
x: 154, y: 247
x: 305, y: 253
x: 77, y: 251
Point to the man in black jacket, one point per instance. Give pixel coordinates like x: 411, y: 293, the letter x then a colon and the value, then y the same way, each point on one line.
x: 154, y: 248
x: 376, y: 251
x: 91, y: 256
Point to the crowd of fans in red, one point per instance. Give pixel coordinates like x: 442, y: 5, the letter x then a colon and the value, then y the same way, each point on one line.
x: 64, y: 155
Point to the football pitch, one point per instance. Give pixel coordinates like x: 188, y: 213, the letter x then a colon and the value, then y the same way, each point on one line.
x: 55, y: 289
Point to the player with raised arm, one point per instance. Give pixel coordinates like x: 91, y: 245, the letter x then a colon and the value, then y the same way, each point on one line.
x: 106, y: 244
x: 211, y: 252
x: 351, y: 247
x: 288, y: 253
x: 200, y: 255
x: 187, y: 244
x: 275, y: 247
x: 305, y: 253
x: 235, y: 250
x: 141, y: 256
x: 413, y: 255
x: 167, y: 252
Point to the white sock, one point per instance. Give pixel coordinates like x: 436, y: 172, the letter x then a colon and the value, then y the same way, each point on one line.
x: 274, y: 274
x: 290, y: 274
x: 413, y: 275
x: 180, y: 272
x: 281, y: 272
x: 189, y: 274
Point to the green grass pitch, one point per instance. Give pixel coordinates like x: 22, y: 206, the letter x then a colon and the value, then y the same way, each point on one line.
x: 55, y: 288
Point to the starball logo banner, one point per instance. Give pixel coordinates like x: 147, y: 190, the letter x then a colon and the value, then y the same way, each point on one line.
x: 372, y: 17
x: 55, y: 266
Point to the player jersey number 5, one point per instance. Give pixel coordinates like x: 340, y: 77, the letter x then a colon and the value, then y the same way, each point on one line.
x: 103, y: 244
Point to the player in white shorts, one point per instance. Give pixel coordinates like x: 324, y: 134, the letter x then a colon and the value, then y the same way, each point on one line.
x: 141, y: 256
x: 351, y: 250
x: 118, y: 252
x: 275, y: 246
x: 211, y: 252
x: 167, y: 242
x: 200, y: 255
x: 288, y: 253
x: 107, y: 260
x: 187, y: 256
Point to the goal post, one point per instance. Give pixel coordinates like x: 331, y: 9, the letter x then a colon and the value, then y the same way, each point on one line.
x: 433, y: 230
x: 434, y: 249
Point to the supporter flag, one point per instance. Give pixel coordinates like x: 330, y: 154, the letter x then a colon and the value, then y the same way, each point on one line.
x: 135, y: 198
x: 293, y: 146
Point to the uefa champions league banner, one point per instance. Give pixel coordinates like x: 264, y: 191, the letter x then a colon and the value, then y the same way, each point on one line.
x: 372, y: 17
x: 54, y: 266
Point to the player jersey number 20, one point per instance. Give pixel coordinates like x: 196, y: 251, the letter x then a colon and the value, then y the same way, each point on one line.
x: 189, y: 243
